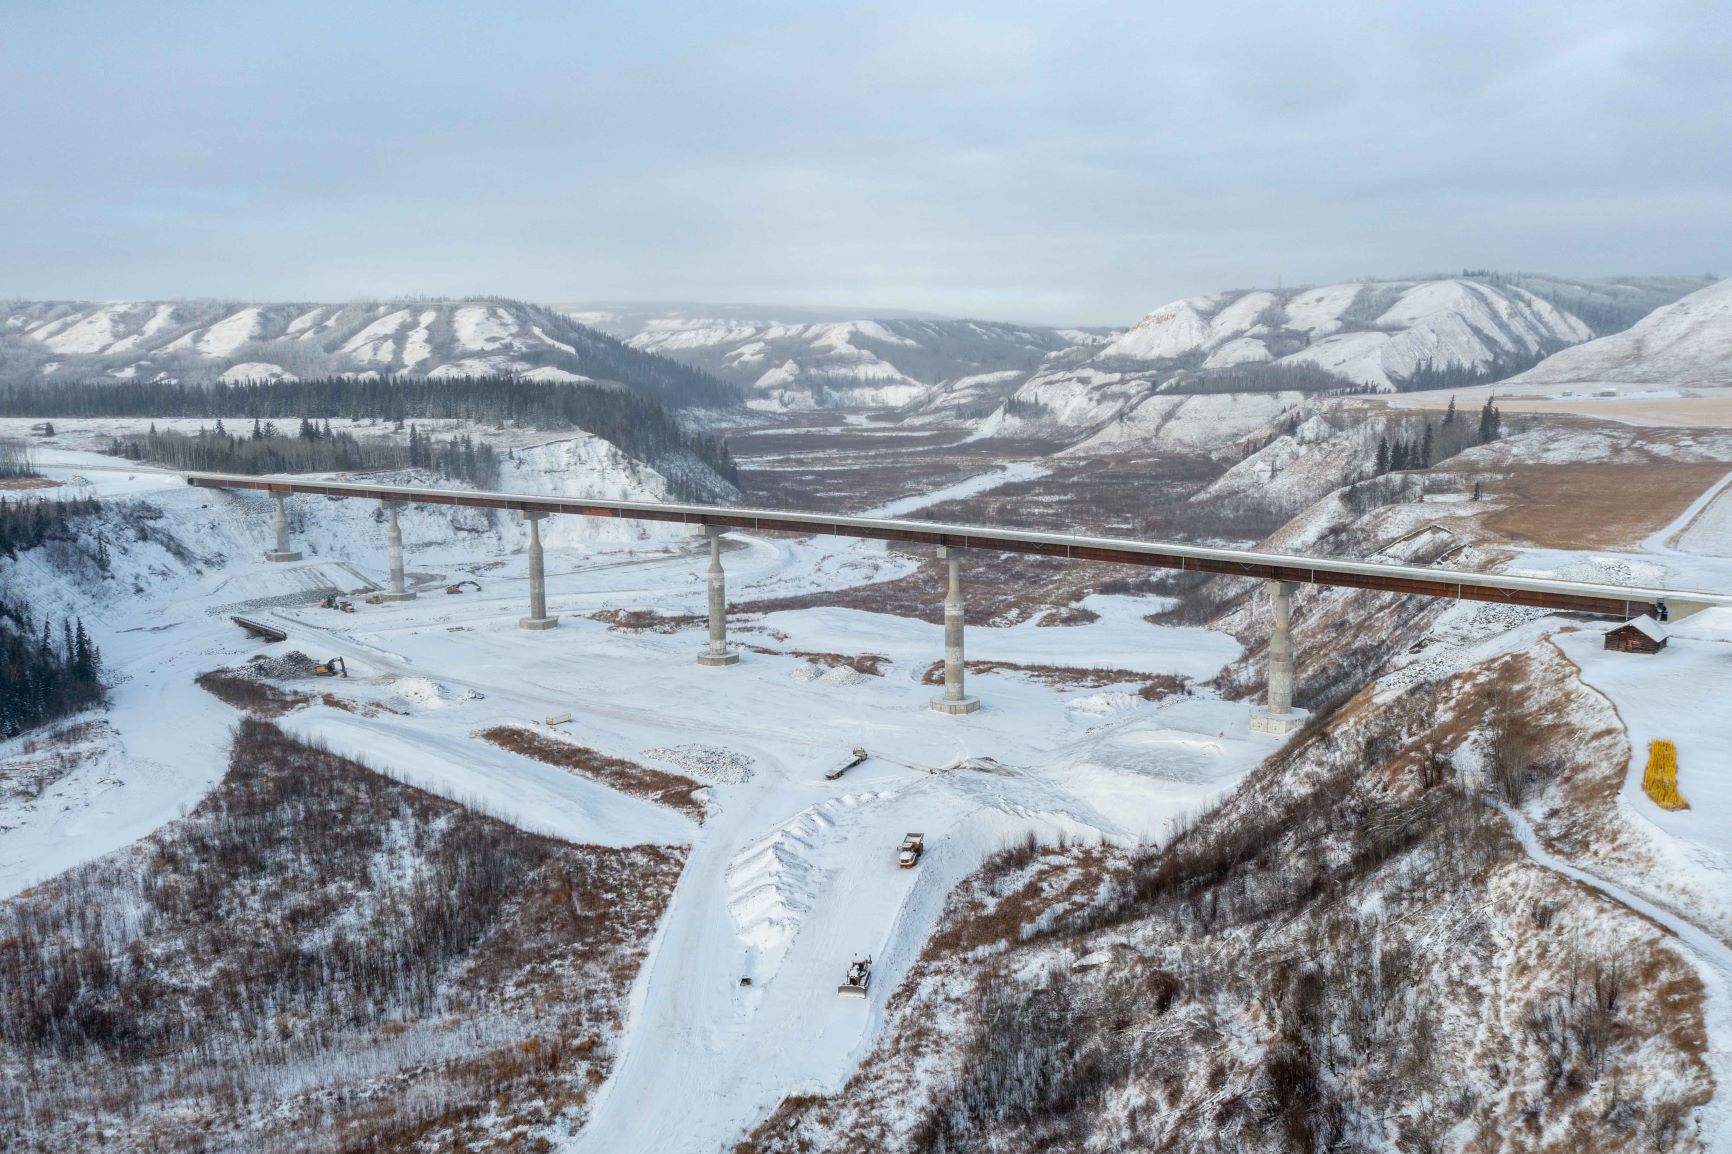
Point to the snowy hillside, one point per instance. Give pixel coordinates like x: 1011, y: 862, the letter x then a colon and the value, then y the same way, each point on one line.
x: 200, y: 341
x: 817, y: 362
x: 1380, y: 335
x: 1685, y: 343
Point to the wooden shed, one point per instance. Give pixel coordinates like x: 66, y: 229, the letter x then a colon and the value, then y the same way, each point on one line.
x: 1642, y: 635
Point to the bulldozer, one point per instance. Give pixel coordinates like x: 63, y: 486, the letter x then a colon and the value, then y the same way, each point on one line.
x: 859, y: 976
x: 335, y: 667
x: 458, y: 588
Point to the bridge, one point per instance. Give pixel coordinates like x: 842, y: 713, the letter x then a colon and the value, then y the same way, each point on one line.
x: 1284, y: 573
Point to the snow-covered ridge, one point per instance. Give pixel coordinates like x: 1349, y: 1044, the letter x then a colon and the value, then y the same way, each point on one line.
x: 203, y: 341
x: 1685, y: 343
x: 797, y: 365
x: 1380, y: 335
x: 1372, y: 333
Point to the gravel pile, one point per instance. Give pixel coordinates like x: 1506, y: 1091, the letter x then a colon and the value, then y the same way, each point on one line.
x: 706, y: 763
x: 283, y: 667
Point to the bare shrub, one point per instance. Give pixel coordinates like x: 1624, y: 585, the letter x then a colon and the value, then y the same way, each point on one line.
x: 669, y: 789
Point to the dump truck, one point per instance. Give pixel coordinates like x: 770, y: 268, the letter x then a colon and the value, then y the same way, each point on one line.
x: 859, y: 975
x: 855, y: 757
x: 335, y: 667
x: 913, y: 845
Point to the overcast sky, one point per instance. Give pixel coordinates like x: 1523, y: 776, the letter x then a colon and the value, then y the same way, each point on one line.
x: 1078, y: 162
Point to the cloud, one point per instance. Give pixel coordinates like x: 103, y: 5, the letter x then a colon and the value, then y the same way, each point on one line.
x: 1078, y: 163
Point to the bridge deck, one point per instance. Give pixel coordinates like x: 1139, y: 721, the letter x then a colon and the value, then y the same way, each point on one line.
x: 1618, y: 601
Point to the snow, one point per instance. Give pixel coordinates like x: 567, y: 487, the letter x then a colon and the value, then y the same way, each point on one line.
x: 229, y: 334
x: 1318, y: 311
x: 1170, y: 331
x: 1190, y: 422
x: 1238, y: 351
x: 968, y: 487
x: 789, y: 875
x: 483, y: 328
x: 305, y: 322
x: 1688, y: 342
x: 377, y: 343
x: 554, y: 374
x: 418, y: 345
x: 253, y: 371
x: 89, y: 334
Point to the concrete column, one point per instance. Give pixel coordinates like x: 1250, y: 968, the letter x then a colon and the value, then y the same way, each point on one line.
x: 538, y: 618
x: 394, y: 550
x: 282, y: 552
x: 1279, y: 716
x: 718, y: 652
x: 954, y: 701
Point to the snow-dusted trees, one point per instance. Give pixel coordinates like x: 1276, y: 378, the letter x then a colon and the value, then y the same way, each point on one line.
x: 639, y: 425
x: 45, y: 672
x: 14, y: 459
x: 314, y: 449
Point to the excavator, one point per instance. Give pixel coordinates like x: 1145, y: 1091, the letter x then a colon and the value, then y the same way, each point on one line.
x: 337, y: 603
x: 458, y: 588
x: 335, y: 667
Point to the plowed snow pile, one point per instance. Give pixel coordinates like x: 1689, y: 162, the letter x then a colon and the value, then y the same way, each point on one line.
x: 721, y: 766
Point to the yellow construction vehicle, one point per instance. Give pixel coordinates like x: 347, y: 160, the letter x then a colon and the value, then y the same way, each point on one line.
x: 458, y: 588
x: 335, y: 667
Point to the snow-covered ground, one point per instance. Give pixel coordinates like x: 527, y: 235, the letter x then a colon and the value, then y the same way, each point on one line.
x: 789, y: 876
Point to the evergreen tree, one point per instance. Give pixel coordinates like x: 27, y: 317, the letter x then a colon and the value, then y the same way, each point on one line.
x: 1425, y: 448
x: 1382, y: 456
x: 1449, y: 414
x: 1488, y: 422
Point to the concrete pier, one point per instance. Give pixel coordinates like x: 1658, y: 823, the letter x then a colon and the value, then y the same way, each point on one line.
x: 954, y: 701
x: 538, y: 618
x: 394, y: 549
x: 282, y: 552
x: 718, y: 652
x: 1278, y: 717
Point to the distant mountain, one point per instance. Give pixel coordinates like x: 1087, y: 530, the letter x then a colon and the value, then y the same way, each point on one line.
x: 799, y: 359
x: 1688, y: 342
x: 202, y: 341
x: 1379, y: 335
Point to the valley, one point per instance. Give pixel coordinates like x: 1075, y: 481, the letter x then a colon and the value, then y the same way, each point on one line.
x: 1110, y: 845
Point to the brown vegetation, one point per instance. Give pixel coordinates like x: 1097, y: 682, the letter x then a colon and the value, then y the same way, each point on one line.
x: 1155, y: 687
x: 1351, y: 952
x: 644, y: 620
x: 250, y: 695
x: 669, y: 789
x: 318, y: 958
x: 1589, y: 505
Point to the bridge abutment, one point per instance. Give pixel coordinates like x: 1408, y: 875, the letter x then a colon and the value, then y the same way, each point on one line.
x: 394, y: 550
x: 954, y: 701
x: 718, y: 653
x: 1278, y: 717
x: 538, y: 618
x: 282, y: 552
